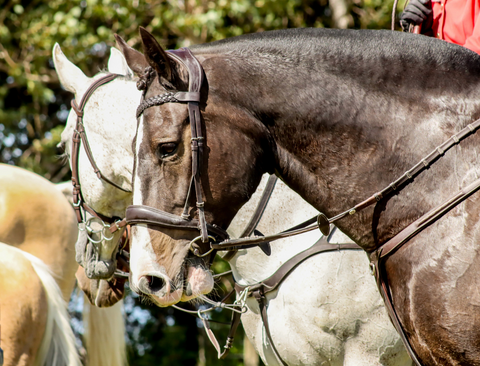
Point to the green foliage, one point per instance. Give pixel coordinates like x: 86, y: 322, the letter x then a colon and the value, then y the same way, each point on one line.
x: 31, y: 101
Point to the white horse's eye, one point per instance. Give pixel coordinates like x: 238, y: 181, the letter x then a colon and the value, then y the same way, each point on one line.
x: 61, y: 146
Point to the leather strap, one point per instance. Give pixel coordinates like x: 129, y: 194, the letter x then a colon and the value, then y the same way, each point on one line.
x: 231, y: 333
x: 271, y: 284
x: 140, y: 214
x: 192, y: 98
x: 256, y: 240
x: 262, y: 204
x: 408, y: 176
x: 80, y: 135
x: 260, y: 297
x: 378, y: 257
x: 257, y: 215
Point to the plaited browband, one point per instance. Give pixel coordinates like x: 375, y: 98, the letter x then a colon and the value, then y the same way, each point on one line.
x: 178, y: 97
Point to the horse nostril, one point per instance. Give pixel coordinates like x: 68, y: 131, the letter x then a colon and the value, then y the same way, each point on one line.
x: 155, y: 283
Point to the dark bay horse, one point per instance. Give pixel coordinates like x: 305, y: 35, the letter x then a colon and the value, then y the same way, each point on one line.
x: 338, y: 115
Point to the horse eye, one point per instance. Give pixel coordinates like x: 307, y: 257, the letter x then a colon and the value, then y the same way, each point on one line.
x: 166, y: 149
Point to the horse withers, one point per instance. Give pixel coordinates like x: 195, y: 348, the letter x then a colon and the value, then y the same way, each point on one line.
x: 338, y: 115
x: 305, y: 321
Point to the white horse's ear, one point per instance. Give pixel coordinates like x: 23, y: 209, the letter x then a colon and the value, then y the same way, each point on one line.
x: 71, y: 77
x: 117, y: 63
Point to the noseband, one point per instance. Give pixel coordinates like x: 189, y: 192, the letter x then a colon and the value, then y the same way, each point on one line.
x: 140, y: 214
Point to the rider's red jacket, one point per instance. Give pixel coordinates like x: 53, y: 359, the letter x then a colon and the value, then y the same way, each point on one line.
x: 457, y: 21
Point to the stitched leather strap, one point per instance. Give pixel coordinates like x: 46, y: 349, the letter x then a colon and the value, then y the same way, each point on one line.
x: 271, y: 284
x: 257, y: 215
x: 140, y: 214
x: 378, y: 256
x: 80, y: 135
x: 321, y: 246
x: 192, y: 98
x: 231, y: 334
x: 412, y: 173
x: 260, y: 297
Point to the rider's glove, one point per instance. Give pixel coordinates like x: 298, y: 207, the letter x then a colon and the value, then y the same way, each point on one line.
x: 417, y: 12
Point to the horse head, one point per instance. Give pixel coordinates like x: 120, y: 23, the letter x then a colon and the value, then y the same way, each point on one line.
x: 109, y: 132
x: 162, y: 264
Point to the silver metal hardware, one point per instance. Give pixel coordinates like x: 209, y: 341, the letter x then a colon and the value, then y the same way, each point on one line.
x: 196, y: 251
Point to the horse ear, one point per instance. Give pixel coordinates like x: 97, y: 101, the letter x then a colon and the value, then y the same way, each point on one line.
x: 117, y: 63
x: 71, y: 77
x: 156, y: 56
x: 135, y: 60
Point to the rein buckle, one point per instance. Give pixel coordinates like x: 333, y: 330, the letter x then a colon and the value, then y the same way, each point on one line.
x: 193, y: 247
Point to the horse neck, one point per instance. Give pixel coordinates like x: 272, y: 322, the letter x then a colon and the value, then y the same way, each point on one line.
x: 109, y: 120
x: 343, y: 129
x: 284, y: 210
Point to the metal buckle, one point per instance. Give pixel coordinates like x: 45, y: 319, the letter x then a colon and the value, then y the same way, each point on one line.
x: 101, y: 231
x: 196, y: 251
x: 242, y: 299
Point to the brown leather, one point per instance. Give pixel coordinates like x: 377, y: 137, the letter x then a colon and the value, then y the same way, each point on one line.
x: 231, y: 334
x: 321, y: 246
x: 140, y: 214
x: 257, y: 215
x: 378, y: 256
x: 262, y: 204
x: 80, y: 135
x: 256, y: 240
x: 192, y: 98
x: 260, y: 297
x: 412, y: 173
x: 271, y: 284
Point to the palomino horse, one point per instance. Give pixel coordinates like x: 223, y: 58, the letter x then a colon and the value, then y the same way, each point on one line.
x: 336, y: 317
x: 39, y: 227
x: 338, y: 115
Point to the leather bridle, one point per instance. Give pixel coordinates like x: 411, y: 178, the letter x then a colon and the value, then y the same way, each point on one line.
x: 110, y: 225
x: 141, y: 214
x: 79, y: 135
